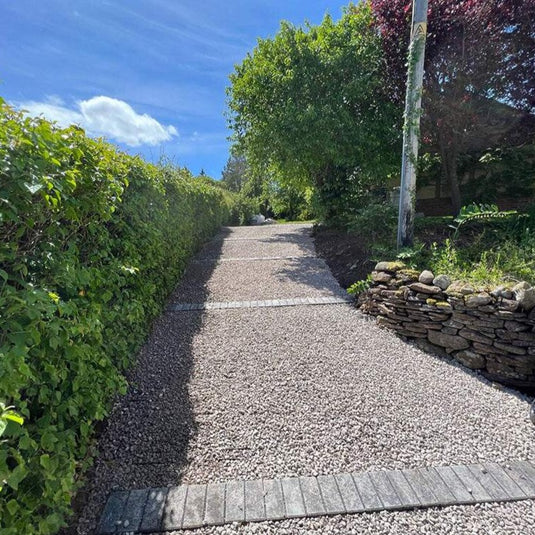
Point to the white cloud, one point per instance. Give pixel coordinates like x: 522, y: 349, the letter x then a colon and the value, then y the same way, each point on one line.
x: 104, y: 116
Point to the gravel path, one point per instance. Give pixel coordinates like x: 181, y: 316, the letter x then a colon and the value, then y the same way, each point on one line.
x: 305, y: 390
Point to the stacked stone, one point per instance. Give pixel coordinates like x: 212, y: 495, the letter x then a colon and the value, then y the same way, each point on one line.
x: 491, y: 330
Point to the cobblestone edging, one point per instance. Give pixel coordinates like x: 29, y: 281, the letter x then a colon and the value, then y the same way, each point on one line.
x: 254, y: 259
x: 181, y: 307
x: 491, y: 330
x: 193, y: 506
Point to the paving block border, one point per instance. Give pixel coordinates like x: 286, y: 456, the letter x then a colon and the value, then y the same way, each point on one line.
x: 194, y: 506
x: 296, y: 301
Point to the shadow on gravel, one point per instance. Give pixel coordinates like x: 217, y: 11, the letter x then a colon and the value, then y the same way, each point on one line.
x: 146, y: 436
x: 312, y: 272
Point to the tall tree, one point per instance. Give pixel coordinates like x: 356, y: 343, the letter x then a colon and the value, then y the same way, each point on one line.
x: 235, y: 174
x: 309, y: 106
x: 480, y: 64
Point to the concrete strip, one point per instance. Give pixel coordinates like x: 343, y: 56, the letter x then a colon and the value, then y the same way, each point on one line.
x: 113, y: 511
x: 174, y: 508
x: 254, y: 501
x: 133, y: 511
x: 472, y: 484
x: 235, y: 502
x: 367, y: 491
x: 419, y: 484
x: 332, y: 498
x: 153, y: 512
x: 214, y: 513
x: 298, y: 301
x: 496, y: 491
x: 312, y: 496
x: 293, y: 498
x: 274, y: 499
x: 386, y: 491
x: 192, y: 506
x: 456, y: 486
x: 507, y: 483
x: 350, y: 494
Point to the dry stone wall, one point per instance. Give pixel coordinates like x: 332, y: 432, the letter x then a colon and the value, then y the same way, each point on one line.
x: 486, y: 329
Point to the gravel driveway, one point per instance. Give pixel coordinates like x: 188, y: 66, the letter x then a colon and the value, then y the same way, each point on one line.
x: 304, y: 390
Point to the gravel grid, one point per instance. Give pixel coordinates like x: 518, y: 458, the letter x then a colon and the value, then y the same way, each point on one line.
x: 306, y: 390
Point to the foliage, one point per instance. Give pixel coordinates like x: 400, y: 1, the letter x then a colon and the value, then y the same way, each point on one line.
x: 504, y: 171
x: 235, y: 174
x: 510, y: 261
x: 360, y: 286
x: 242, y: 209
x: 479, y: 55
x: 307, y: 108
x: 479, y: 212
x: 376, y: 221
x: 91, y: 242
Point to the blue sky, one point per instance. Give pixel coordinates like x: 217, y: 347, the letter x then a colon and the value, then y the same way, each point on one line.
x: 149, y: 75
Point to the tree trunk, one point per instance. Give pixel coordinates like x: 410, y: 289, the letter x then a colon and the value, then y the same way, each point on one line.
x: 448, y: 155
x: 453, y: 180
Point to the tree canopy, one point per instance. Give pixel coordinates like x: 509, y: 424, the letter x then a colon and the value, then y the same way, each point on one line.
x: 479, y: 65
x: 308, y: 105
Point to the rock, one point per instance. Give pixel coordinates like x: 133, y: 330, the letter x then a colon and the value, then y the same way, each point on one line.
x: 449, y: 330
x: 508, y: 305
x: 525, y: 298
x: 515, y: 326
x: 407, y: 275
x: 442, y: 281
x: 477, y: 300
x: 460, y: 288
x: 444, y: 306
x: 381, y: 276
x: 475, y: 336
x: 258, y: 219
x: 392, y: 267
x: 427, y: 346
x: 521, y: 286
x: 422, y: 288
x: 414, y: 327
x: 509, y: 348
x: 426, y: 277
x: 447, y: 340
x: 453, y: 324
x: 470, y: 360
x: 497, y: 292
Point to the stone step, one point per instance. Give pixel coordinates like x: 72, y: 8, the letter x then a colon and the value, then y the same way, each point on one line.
x: 193, y: 506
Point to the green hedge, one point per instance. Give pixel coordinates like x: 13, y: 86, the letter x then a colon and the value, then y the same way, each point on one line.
x: 91, y: 243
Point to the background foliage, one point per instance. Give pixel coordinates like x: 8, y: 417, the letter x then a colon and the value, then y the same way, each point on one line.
x: 91, y: 243
x: 308, y: 110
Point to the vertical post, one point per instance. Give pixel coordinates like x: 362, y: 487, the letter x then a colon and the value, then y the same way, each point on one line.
x: 411, y: 127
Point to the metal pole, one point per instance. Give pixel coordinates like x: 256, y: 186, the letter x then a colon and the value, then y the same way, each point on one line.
x: 411, y: 127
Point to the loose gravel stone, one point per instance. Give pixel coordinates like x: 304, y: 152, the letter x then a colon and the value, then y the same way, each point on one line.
x: 307, y: 390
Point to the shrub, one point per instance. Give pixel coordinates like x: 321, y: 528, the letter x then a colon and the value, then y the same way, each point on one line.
x: 91, y: 243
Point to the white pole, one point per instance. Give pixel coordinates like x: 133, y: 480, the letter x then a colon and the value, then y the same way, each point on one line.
x: 411, y: 127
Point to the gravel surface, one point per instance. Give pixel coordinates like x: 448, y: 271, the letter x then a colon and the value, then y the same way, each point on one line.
x: 265, y: 247
x: 256, y: 280
x: 304, y: 390
x: 291, y: 242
